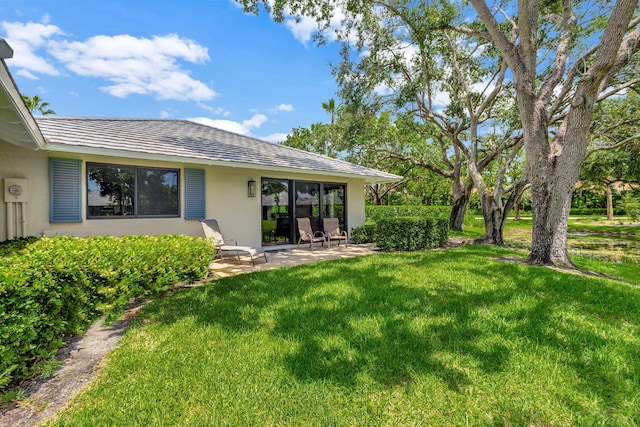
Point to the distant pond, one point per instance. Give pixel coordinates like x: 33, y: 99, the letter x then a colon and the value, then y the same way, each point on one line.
x: 617, y: 248
x: 607, y: 247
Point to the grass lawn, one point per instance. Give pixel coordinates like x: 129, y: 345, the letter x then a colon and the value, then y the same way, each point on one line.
x: 436, y: 338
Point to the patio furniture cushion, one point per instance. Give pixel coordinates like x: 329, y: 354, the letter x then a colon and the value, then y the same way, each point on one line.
x: 212, y: 231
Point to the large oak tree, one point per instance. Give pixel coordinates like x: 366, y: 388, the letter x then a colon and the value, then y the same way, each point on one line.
x: 565, y: 78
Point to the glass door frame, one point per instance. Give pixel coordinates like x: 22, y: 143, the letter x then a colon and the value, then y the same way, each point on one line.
x: 292, y: 213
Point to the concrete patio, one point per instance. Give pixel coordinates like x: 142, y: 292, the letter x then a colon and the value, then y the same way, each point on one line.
x: 286, y: 256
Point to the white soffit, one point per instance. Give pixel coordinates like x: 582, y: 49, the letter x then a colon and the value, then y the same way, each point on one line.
x: 17, y: 125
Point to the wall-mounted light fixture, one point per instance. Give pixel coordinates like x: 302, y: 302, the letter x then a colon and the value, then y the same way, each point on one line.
x: 251, y: 188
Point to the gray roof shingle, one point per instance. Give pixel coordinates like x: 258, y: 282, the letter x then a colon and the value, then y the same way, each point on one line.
x: 192, y: 141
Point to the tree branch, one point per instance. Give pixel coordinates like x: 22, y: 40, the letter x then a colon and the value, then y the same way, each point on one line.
x: 507, y: 48
x: 562, y: 53
x: 418, y: 162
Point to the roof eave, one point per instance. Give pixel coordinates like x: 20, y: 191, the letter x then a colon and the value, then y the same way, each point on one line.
x: 19, y: 126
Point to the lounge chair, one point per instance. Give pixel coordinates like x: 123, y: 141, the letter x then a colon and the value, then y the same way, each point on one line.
x: 212, y: 231
x: 332, y: 231
x: 307, y: 234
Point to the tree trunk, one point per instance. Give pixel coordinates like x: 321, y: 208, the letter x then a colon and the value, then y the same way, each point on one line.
x: 494, y: 210
x: 514, y: 200
x: 541, y: 170
x: 459, y: 208
x: 552, y: 181
x: 554, y: 167
x: 493, y: 215
x: 461, y: 195
x: 609, y: 203
x: 376, y: 197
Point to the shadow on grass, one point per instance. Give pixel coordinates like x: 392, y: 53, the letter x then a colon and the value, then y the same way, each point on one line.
x: 452, y: 314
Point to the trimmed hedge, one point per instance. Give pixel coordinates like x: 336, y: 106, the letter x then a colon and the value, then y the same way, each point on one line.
x: 375, y: 213
x: 58, y: 286
x: 411, y: 233
x: 404, y: 228
x: 363, y: 234
x: 595, y: 211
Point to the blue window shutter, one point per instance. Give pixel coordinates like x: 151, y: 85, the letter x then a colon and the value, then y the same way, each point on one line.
x: 194, y: 199
x: 65, y: 190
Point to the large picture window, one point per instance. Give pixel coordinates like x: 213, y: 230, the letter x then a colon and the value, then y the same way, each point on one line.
x: 115, y: 191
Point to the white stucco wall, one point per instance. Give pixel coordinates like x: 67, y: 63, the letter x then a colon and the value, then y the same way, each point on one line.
x: 18, y: 162
x: 226, y: 198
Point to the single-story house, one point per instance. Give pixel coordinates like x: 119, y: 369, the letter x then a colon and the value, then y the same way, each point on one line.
x: 84, y: 176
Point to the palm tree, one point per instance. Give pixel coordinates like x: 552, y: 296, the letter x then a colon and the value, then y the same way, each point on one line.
x: 35, y: 103
x: 330, y: 107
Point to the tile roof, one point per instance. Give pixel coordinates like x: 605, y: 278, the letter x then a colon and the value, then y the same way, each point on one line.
x: 190, y: 141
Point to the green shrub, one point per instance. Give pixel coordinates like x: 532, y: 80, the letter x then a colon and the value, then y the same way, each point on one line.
x: 632, y: 208
x: 376, y: 213
x: 363, y: 234
x: 411, y: 233
x: 57, y: 286
x: 9, y: 247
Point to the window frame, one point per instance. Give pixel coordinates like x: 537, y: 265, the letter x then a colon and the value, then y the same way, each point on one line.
x: 136, y: 195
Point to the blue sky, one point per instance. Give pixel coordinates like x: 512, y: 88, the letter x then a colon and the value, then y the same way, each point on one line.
x: 204, y: 60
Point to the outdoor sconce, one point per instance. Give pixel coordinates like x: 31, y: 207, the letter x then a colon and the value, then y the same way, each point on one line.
x: 251, y: 188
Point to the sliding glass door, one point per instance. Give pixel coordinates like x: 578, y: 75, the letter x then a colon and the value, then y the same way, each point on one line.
x: 276, y: 218
x: 333, y: 196
x: 308, y: 203
x: 285, y: 200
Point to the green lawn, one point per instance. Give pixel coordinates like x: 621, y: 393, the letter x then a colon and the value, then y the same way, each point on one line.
x: 437, y: 338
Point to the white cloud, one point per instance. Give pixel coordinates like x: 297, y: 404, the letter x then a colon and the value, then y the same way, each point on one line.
x: 218, y: 111
x: 166, y: 113
x: 303, y: 29
x: 284, y: 107
x: 131, y: 65
x: 382, y: 89
x: 26, y: 39
x: 137, y: 65
x: 256, y: 121
x: 27, y: 74
x: 275, y: 137
x: 243, y: 128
